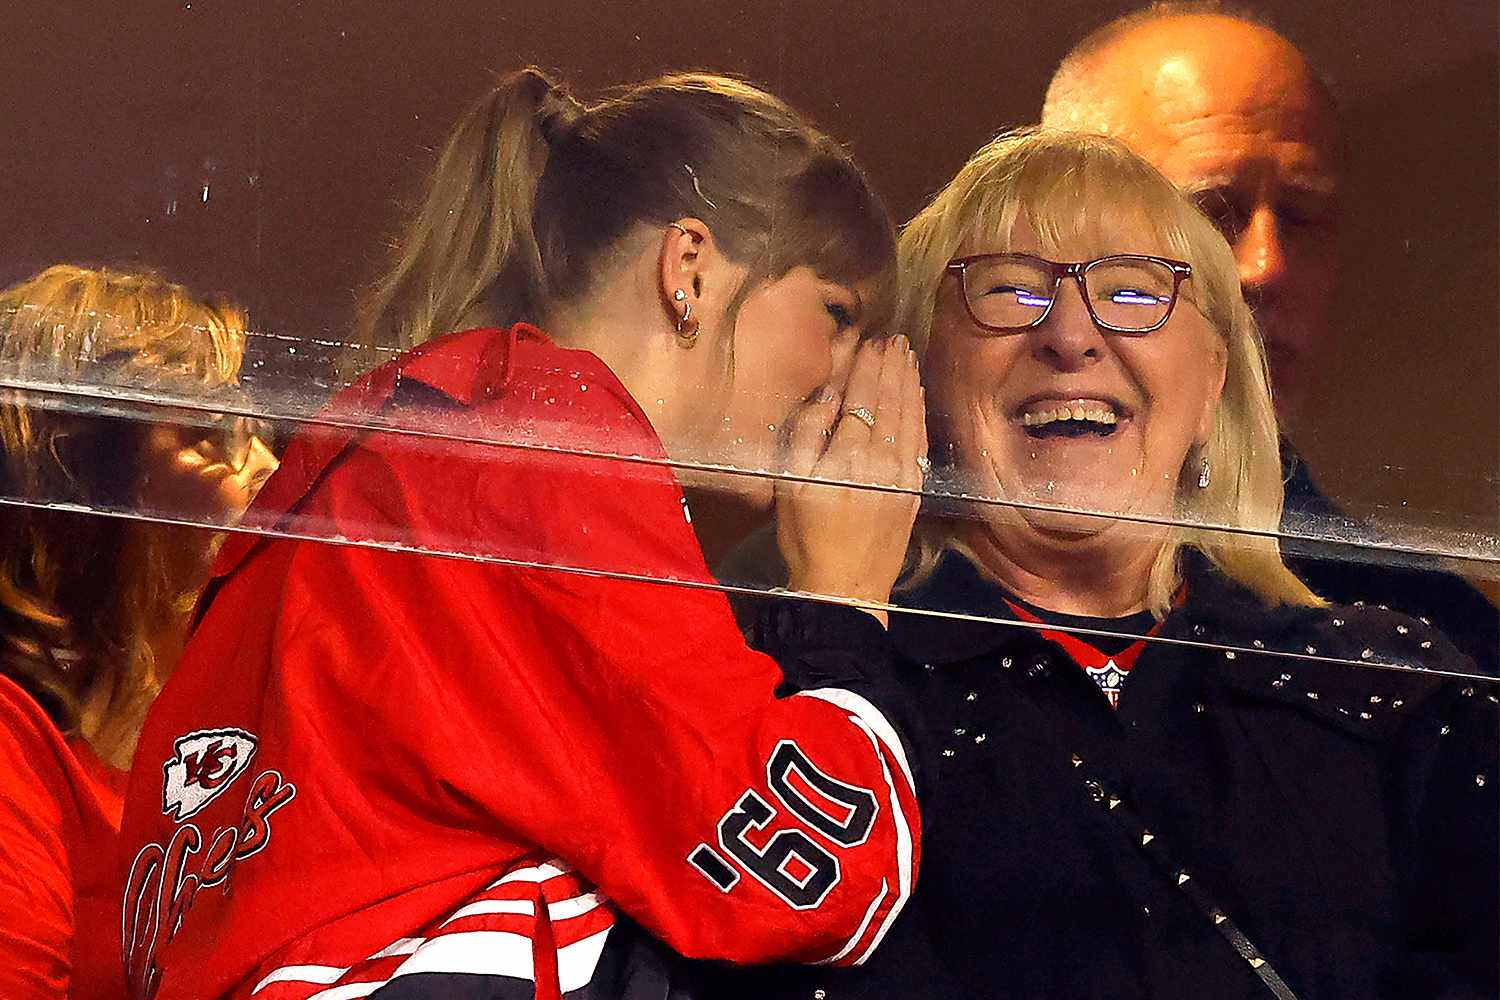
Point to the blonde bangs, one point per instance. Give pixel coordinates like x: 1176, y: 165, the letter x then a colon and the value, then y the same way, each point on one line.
x: 1079, y: 203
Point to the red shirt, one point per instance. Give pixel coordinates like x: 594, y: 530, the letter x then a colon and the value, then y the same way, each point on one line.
x: 374, y: 762
x: 59, y: 816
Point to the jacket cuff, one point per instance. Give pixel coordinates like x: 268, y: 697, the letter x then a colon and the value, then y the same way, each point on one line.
x: 820, y: 642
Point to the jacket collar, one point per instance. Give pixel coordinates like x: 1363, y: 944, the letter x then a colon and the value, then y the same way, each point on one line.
x: 955, y: 588
x: 1216, y: 610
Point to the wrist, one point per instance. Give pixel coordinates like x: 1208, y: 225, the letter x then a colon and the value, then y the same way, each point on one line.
x: 827, y: 586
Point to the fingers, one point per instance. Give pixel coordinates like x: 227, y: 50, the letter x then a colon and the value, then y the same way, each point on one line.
x: 885, y: 381
x: 845, y: 349
x: 851, y: 540
x: 863, y: 391
x: 810, y: 429
x: 893, y: 453
x: 893, y: 369
x: 881, y: 460
x: 911, y: 435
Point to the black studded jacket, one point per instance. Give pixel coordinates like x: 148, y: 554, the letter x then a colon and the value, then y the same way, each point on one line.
x: 1244, y: 825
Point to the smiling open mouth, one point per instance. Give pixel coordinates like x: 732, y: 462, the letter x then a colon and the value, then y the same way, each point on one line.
x: 1051, y: 418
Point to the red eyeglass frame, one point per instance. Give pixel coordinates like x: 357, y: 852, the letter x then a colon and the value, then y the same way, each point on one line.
x: 1180, y: 269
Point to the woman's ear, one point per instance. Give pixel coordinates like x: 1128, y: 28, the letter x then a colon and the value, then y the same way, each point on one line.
x: 687, y: 254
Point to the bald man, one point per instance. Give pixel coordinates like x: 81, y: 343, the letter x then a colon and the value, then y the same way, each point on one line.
x: 1253, y: 138
x: 1234, y: 115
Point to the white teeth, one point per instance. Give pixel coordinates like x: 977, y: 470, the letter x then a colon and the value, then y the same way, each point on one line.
x: 1091, y: 410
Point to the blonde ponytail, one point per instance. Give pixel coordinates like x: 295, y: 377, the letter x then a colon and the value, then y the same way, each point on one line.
x: 472, y: 240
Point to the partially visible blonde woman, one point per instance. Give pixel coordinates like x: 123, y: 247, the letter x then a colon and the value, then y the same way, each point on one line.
x: 94, y: 610
x: 1115, y: 816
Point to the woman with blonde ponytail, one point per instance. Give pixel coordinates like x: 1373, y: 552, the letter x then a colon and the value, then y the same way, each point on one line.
x: 94, y: 610
x: 455, y: 775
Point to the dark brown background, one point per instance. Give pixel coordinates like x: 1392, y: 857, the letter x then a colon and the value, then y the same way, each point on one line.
x: 305, y: 121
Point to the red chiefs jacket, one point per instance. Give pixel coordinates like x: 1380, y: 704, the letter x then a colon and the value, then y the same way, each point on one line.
x: 59, y: 814
x: 377, y: 765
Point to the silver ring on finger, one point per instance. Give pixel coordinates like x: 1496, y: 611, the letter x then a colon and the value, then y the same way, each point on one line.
x: 863, y: 414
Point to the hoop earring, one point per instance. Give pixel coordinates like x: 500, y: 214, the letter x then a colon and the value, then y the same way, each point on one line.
x: 687, y: 338
x: 1203, y: 475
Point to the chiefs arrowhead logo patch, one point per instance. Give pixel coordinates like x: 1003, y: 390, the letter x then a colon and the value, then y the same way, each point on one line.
x: 206, y: 762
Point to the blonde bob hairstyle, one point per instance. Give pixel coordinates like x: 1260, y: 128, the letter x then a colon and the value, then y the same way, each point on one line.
x: 1079, y: 191
x: 81, y: 597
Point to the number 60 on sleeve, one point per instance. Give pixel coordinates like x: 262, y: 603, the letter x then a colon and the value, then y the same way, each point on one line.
x: 791, y: 864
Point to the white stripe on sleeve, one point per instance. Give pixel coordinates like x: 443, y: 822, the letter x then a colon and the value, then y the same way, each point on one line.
x: 348, y: 991
x: 576, y: 962
x: 864, y: 925
x: 536, y: 873
x: 565, y: 909
x: 400, y: 946
x: 301, y: 974
x: 880, y: 732
x: 861, y: 708
x: 903, y: 860
x: 484, y: 953
x: 524, y: 907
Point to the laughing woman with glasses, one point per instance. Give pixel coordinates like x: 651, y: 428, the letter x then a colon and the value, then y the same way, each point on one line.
x: 1157, y: 785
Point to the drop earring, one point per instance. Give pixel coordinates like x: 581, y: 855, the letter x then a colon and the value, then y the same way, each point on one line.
x: 686, y: 337
x: 1203, y: 475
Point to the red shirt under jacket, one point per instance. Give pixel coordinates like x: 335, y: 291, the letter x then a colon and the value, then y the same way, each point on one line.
x: 371, y: 762
x: 59, y: 815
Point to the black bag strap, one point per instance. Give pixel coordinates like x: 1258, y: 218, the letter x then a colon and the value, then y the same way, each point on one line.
x: 1096, y: 784
x: 1151, y: 845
